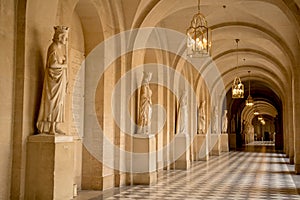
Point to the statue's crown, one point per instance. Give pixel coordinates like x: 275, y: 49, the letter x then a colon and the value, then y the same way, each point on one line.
x: 61, y: 29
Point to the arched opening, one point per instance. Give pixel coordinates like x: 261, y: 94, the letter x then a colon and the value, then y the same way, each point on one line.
x: 87, y: 33
x: 245, y: 124
x: 269, y: 36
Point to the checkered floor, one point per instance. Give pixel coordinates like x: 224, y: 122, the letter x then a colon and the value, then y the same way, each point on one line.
x: 262, y: 143
x: 233, y: 175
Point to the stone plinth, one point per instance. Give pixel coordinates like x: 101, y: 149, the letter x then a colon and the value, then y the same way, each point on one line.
x: 224, y: 142
x: 200, y: 147
x: 182, y: 152
x: 144, y: 160
x: 232, y: 141
x: 120, y: 179
x: 215, y: 144
x: 297, y: 169
x: 50, y: 167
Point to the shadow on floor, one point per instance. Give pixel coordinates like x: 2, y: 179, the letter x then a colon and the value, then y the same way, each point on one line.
x: 259, y: 148
x: 277, y: 154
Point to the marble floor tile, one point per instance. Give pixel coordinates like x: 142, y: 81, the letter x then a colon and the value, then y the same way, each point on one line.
x: 255, y: 173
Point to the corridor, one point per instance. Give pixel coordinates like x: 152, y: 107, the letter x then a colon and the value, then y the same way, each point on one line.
x: 257, y: 172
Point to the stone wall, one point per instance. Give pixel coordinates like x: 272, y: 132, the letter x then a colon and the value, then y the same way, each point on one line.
x: 26, y: 30
x: 7, y: 37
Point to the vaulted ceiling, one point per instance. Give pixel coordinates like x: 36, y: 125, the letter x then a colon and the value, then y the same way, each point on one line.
x: 269, y: 33
x: 268, y: 30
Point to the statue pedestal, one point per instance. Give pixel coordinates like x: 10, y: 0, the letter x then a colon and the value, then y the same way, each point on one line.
x: 49, y: 167
x: 232, y: 141
x: 182, y: 152
x: 215, y: 144
x: 224, y: 142
x: 144, y: 160
x: 200, y: 147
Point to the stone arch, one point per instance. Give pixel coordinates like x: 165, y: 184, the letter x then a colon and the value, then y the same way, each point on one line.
x: 94, y: 31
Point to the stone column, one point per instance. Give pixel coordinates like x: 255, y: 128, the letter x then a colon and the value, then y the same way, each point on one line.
x: 291, y: 128
x: 285, y: 129
x: 77, y: 162
x: 50, y: 167
x: 296, y: 116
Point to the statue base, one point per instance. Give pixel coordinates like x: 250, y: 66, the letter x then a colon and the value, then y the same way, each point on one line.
x: 144, y: 160
x: 297, y: 169
x: 200, y: 147
x: 147, y: 178
x: 215, y: 144
x: 232, y: 141
x: 50, y: 167
x: 224, y: 142
x: 182, y: 152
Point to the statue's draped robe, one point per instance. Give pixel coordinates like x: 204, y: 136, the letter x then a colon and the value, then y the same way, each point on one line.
x: 201, y: 119
x: 145, y: 106
x: 214, y: 121
x: 52, y: 107
x: 224, y: 123
x: 182, y: 119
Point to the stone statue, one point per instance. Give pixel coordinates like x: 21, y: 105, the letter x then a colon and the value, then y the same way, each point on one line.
x: 52, y: 109
x: 145, y: 108
x: 245, y: 127
x: 233, y: 124
x: 182, y: 117
x: 224, y: 122
x: 214, y: 120
x: 201, y: 118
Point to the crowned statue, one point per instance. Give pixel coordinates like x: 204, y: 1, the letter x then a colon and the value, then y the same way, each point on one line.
x: 52, y: 108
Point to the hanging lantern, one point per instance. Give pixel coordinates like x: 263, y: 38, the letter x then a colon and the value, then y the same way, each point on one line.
x: 249, y: 101
x: 198, y: 36
x: 237, y: 86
